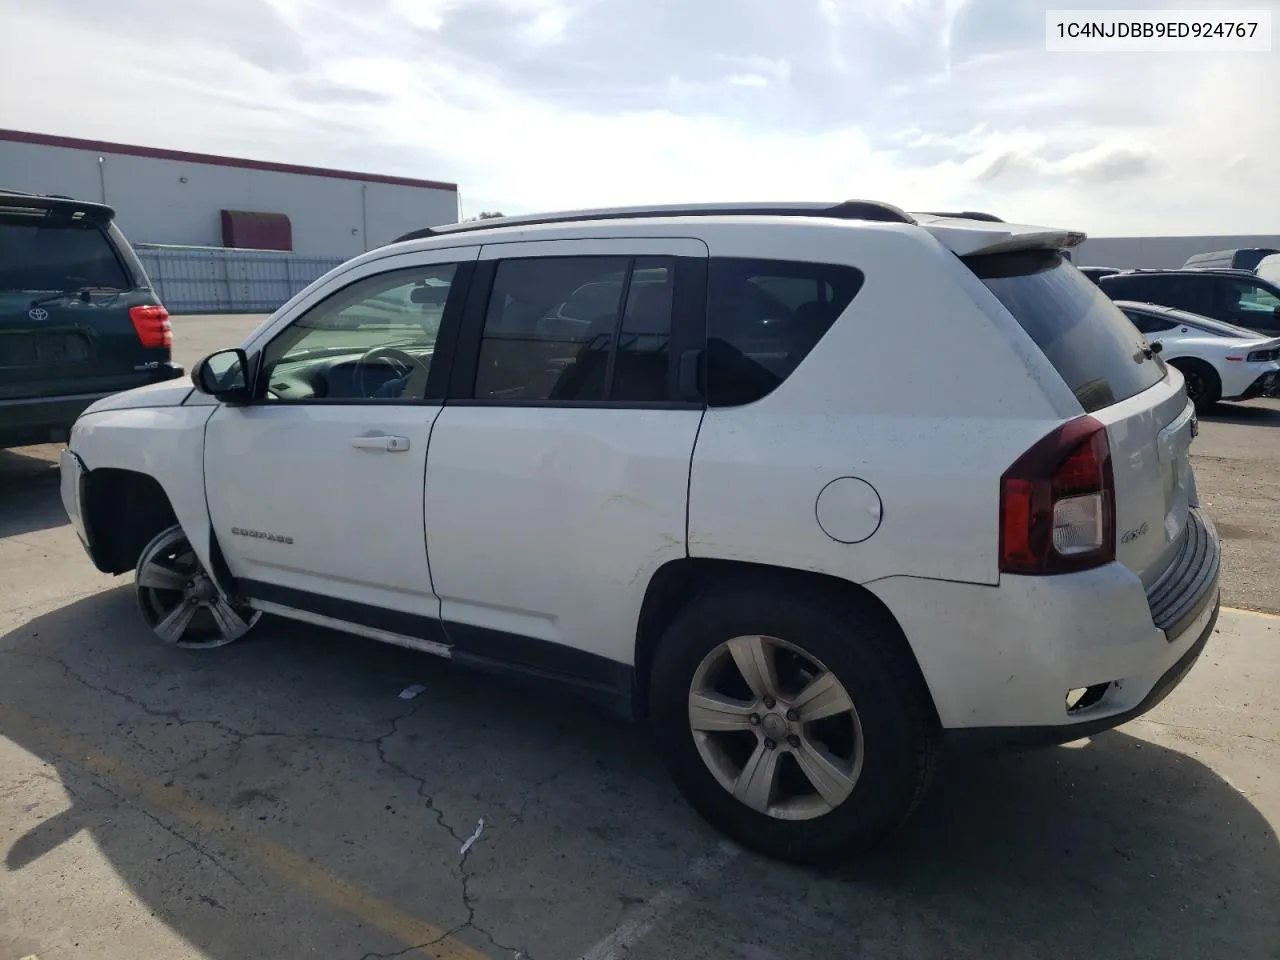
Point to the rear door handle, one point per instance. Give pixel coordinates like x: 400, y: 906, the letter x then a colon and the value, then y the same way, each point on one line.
x: 381, y: 442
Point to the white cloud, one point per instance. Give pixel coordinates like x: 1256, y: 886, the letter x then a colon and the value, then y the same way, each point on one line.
x: 533, y: 104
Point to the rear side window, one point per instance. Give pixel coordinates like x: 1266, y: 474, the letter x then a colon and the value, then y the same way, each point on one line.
x: 1086, y: 337
x: 36, y: 255
x: 579, y: 330
x: 763, y: 318
x: 1146, y: 323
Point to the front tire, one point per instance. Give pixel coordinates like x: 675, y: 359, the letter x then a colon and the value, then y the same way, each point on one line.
x: 795, y: 724
x: 180, y: 601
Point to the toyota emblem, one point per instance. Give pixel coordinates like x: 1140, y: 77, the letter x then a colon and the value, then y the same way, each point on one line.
x: 38, y: 313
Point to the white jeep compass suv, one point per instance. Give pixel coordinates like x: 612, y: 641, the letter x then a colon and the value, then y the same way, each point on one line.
x: 811, y: 489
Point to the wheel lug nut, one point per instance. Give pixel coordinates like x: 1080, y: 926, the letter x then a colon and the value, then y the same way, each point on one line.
x: 769, y: 702
x: 754, y: 720
x: 770, y: 744
x: 793, y: 715
x: 793, y: 740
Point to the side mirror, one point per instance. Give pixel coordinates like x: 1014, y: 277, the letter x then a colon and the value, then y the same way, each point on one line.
x: 224, y: 376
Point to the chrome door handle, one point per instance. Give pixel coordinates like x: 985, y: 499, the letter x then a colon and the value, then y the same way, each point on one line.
x: 381, y: 442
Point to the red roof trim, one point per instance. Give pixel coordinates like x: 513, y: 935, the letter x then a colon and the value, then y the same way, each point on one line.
x: 155, y: 153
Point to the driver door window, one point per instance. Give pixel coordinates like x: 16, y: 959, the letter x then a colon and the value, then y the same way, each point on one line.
x: 372, y: 341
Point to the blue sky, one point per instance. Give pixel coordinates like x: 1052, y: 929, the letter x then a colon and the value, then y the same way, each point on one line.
x: 536, y: 104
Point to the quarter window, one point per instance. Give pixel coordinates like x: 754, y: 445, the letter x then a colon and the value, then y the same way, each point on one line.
x: 578, y: 329
x: 373, y: 340
x: 1146, y: 323
x: 764, y: 316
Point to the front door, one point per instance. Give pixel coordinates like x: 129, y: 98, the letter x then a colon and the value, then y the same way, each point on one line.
x: 557, y: 480
x: 315, y: 489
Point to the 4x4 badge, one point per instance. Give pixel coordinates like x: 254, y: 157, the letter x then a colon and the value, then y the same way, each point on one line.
x: 1132, y: 535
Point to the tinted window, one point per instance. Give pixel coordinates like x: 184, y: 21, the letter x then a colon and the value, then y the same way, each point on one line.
x: 1164, y: 289
x: 1250, y: 304
x: 557, y: 328
x: 40, y: 256
x: 764, y: 316
x: 1147, y: 323
x: 1091, y: 344
x: 373, y: 340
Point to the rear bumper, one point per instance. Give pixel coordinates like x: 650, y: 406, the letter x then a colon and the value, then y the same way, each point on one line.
x: 30, y: 420
x: 1264, y: 385
x: 1000, y: 661
x: 986, y: 738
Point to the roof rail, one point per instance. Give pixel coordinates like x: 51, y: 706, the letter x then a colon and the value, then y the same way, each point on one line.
x: 53, y: 205
x: 848, y: 210
x: 966, y: 215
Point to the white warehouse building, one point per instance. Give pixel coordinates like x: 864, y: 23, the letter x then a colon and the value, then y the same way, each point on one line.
x: 174, y: 197
x: 1161, y: 252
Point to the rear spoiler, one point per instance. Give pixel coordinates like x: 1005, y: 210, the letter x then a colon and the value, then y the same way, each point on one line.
x: 61, y: 208
x: 967, y: 238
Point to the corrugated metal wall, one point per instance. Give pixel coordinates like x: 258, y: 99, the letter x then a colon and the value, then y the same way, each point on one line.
x: 219, y: 280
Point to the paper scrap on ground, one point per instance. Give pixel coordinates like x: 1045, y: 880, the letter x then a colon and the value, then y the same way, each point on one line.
x: 408, y: 693
x: 473, y: 838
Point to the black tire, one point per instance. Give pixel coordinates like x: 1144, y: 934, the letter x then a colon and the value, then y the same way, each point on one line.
x: 1204, y: 386
x: 898, y: 725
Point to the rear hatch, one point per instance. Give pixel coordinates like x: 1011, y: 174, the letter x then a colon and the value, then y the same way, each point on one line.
x: 67, y: 284
x: 1120, y: 382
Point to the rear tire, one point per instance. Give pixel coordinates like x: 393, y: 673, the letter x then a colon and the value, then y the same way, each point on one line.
x: 839, y: 784
x: 1204, y: 386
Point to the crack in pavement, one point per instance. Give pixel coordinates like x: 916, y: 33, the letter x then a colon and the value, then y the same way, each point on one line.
x: 239, y: 737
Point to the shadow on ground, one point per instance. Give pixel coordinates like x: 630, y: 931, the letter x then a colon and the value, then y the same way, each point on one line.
x: 29, y: 499
x: 189, y: 769
x: 1255, y: 414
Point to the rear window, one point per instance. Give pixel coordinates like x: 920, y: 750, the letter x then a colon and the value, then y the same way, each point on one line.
x: 1089, y: 341
x: 36, y: 255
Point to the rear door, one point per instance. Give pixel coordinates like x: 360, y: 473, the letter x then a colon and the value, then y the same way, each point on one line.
x: 1100, y: 355
x: 65, y: 295
x: 558, y: 472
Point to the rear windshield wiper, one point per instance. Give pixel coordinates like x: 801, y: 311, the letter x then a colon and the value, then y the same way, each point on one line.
x: 84, y: 293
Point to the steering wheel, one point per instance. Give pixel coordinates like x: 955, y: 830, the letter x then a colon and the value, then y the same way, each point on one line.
x: 404, y: 364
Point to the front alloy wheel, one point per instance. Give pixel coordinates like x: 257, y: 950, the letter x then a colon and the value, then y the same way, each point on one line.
x: 179, y: 600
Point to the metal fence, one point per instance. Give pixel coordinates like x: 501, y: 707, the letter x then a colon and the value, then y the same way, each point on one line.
x: 220, y: 280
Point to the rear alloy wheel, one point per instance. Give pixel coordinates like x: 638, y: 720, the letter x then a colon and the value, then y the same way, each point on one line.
x: 179, y: 600
x: 795, y: 723
x: 792, y: 706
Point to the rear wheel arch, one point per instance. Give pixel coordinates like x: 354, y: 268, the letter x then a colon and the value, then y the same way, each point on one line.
x: 123, y: 511
x: 678, y: 582
x: 1212, y: 381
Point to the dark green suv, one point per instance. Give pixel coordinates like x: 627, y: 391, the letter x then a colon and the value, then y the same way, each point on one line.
x: 78, y: 318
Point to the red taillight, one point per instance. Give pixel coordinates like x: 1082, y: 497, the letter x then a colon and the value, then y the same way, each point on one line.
x: 152, y: 324
x: 1057, y: 503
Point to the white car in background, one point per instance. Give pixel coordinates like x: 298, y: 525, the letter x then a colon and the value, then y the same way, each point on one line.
x: 1219, y: 361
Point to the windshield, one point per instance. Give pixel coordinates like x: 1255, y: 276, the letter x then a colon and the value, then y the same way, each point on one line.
x: 39, y: 256
x: 1089, y: 341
